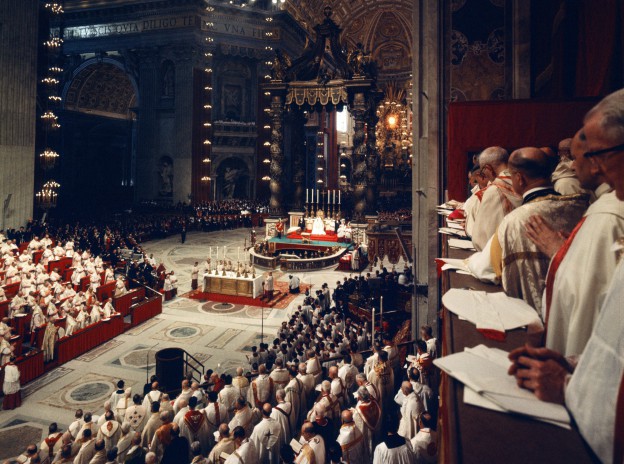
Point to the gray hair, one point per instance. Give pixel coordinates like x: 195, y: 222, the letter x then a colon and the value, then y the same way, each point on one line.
x: 611, y: 108
x: 494, y: 156
x: 363, y: 394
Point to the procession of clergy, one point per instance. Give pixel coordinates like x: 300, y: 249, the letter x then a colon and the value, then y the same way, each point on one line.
x: 552, y: 233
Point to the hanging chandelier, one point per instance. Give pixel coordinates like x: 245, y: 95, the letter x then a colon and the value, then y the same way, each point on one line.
x: 46, y: 198
x: 48, y: 159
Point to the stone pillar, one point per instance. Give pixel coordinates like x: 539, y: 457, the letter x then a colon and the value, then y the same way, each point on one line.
x: 18, y: 93
x: 298, y: 153
x: 521, y: 49
x: 372, y: 160
x: 428, y: 97
x: 276, y: 207
x: 147, y: 147
x: 359, y: 177
x: 183, y: 123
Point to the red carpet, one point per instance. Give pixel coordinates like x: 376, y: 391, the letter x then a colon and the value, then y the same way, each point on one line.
x: 330, y: 237
x: 281, y: 297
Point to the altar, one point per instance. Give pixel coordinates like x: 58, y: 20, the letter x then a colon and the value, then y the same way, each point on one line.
x: 229, y: 284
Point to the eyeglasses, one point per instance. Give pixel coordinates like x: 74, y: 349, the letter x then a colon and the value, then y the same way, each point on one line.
x: 593, y: 154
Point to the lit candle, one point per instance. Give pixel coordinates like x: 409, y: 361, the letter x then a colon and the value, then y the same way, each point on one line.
x: 317, y: 196
x: 334, y: 196
x: 338, y: 196
x: 306, y: 195
x: 373, y: 328
x: 381, y: 312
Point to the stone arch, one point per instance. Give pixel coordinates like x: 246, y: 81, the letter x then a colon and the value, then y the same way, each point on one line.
x: 101, y: 87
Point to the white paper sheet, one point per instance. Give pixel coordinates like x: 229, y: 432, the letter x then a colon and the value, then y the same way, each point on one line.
x: 485, y: 309
x: 461, y: 244
x: 484, y: 370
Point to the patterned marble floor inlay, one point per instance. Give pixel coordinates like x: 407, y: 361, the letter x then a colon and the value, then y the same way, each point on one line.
x: 213, y: 307
x: 224, y: 338
x: 87, y: 392
x: 183, y: 332
x: 46, y: 379
x: 139, y: 357
x: 145, y: 326
x: 14, y: 440
x: 253, y: 341
x: 100, y: 350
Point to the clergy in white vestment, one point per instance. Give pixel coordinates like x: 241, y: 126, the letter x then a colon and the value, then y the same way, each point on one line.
x: 284, y: 416
x: 318, y: 226
x: 498, y: 199
x: 109, y: 431
x: 136, y: 414
x: 425, y: 443
x: 411, y: 409
x: 11, y: 386
x: 52, y: 444
x: 367, y: 417
x: 228, y: 396
x: 361, y: 381
x: 595, y: 390
x: 151, y: 425
x: 571, y: 301
x: 564, y: 178
x: 313, y: 450
x: 245, y: 452
x: 394, y: 449
x: 154, y: 395
x: 266, y: 437
x: 185, y: 395
x: 351, y: 441
x: 216, y: 414
x: 521, y: 266
x: 382, y: 376
x: 226, y: 444
x: 347, y: 372
x: 243, y: 417
x: 280, y: 377
x: 194, y: 426
x: 261, y: 389
x: 241, y: 383
x: 122, y: 405
x: 125, y: 441
x: 87, y: 448
x: 296, y: 396
x: 313, y: 366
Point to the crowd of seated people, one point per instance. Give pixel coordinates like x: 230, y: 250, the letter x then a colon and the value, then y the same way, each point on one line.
x: 399, y: 215
x: 33, y: 283
x: 315, y: 395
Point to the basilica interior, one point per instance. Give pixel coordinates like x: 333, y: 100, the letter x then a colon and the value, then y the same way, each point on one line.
x: 178, y: 164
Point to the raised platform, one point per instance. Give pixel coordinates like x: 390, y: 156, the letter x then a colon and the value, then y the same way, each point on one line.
x: 299, y: 254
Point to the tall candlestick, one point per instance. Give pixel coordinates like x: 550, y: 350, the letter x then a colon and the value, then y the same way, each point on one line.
x: 381, y: 312
x: 334, y: 196
x: 306, y: 195
x: 317, y: 196
x: 339, y: 196
x: 373, y: 329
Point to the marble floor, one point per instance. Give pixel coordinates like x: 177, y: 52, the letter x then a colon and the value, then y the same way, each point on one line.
x: 218, y: 335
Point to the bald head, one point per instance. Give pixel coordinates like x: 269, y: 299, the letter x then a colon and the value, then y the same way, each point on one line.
x: 530, y: 167
x: 266, y: 409
x: 239, y: 371
x: 333, y: 372
x: 347, y: 416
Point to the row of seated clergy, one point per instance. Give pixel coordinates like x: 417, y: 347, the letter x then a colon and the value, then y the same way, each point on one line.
x: 547, y: 252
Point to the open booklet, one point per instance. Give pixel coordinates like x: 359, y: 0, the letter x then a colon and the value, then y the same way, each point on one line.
x: 492, y: 311
x: 484, y: 371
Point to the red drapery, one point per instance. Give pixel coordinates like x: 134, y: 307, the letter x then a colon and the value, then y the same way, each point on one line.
x: 473, y: 126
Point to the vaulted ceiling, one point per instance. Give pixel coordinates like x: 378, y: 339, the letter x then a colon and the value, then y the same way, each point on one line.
x: 384, y: 27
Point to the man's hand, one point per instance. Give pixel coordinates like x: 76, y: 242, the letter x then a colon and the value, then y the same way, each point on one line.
x: 547, y: 240
x: 540, y: 370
